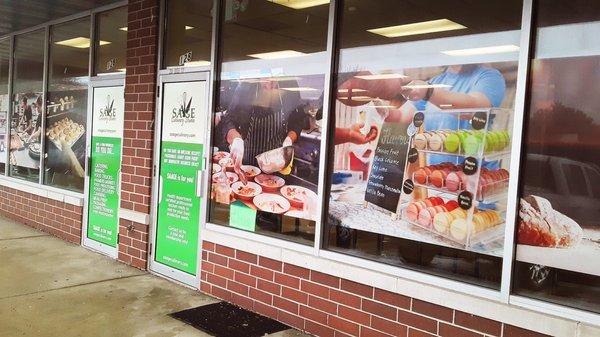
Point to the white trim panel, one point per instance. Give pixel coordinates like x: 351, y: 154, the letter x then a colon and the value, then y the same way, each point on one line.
x: 137, y: 217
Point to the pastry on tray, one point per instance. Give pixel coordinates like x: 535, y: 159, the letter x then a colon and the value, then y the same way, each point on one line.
x: 541, y: 225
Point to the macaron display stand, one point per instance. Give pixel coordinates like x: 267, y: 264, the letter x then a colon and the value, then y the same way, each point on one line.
x: 455, y: 186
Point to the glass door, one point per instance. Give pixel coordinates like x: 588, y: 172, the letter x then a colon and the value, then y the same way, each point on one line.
x: 103, y: 173
x: 179, y: 176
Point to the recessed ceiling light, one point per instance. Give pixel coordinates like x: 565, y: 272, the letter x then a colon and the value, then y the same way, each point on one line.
x: 79, y: 42
x: 482, y: 50
x: 380, y: 77
x: 200, y: 63
x: 418, y: 28
x: 123, y: 29
x: 353, y: 90
x: 277, y: 54
x: 299, y: 89
x: 189, y: 27
x: 299, y: 4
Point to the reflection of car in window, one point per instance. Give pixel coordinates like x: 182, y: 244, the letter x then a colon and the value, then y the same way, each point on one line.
x: 573, y: 188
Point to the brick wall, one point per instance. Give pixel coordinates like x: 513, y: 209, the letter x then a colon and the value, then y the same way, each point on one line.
x: 329, y: 306
x: 54, y: 217
x: 140, y: 88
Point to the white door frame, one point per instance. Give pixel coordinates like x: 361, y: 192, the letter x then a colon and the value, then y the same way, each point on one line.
x: 153, y: 265
x: 97, y: 82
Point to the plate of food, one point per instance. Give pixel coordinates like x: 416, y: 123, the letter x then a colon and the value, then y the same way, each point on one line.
x: 227, y: 163
x: 231, y: 177
x: 216, y: 168
x: 269, y: 183
x: 34, y: 150
x: 65, y: 130
x: 217, y: 156
x: 297, y: 194
x: 272, y: 203
x: 250, y: 171
x: 246, y: 192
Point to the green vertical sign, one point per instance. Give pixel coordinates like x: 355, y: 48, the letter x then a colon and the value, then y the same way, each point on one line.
x: 105, y: 165
x: 103, y: 219
x: 179, y: 206
x: 182, y: 149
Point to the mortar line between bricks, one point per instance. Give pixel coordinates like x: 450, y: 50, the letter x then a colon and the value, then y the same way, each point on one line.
x: 26, y: 237
x: 71, y: 286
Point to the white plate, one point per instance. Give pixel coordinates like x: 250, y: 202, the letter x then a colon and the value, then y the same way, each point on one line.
x: 237, y: 185
x: 265, y: 202
x: 250, y: 169
x: 231, y: 177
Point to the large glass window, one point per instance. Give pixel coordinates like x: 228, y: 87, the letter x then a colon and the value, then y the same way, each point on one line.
x: 28, y: 98
x: 66, y: 109
x: 267, y: 132
x: 558, y: 232
x: 188, y: 33
x: 4, y: 101
x: 422, y: 120
x: 111, y: 41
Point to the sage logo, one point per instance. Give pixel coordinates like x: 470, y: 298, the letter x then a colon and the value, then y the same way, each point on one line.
x: 184, y: 113
x: 108, y: 112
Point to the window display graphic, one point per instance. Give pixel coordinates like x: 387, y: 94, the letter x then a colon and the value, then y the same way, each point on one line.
x: 65, y: 139
x: 267, y: 155
x: 105, y: 164
x: 181, y: 158
x: 409, y: 165
x: 26, y: 126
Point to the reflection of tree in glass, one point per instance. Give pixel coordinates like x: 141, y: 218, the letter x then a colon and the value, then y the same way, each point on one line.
x: 559, y: 121
x: 564, y: 131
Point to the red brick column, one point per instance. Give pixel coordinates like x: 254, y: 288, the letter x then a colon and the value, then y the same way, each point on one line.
x: 140, y: 99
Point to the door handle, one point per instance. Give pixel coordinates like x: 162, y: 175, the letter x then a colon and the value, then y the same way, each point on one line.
x: 200, y: 183
x: 89, y: 166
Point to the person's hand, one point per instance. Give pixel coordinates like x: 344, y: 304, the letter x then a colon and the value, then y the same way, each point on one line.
x: 357, y: 137
x: 287, y: 142
x: 237, y: 155
x: 415, y: 90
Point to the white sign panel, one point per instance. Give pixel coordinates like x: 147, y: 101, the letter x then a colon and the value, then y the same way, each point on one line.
x: 184, y: 112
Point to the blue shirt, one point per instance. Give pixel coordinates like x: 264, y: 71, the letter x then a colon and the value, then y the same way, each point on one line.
x: 485, y: 80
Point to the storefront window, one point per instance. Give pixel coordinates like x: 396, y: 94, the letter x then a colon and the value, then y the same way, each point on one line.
x: 66, y: 109
x: 4, y: 101
x: 111, y: 41
x: 422, y: 121
x: 558, y: 229
x: 28, y: 98
x: 267, y: 131
x: 188, y: 33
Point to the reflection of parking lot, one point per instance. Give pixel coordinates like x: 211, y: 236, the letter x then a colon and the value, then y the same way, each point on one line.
x: 572, y: 187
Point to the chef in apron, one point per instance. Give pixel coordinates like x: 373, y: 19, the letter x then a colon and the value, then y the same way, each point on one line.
x: 262, y: 117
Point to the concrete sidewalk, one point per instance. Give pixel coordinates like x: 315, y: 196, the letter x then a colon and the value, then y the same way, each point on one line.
x: 52, y: 288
